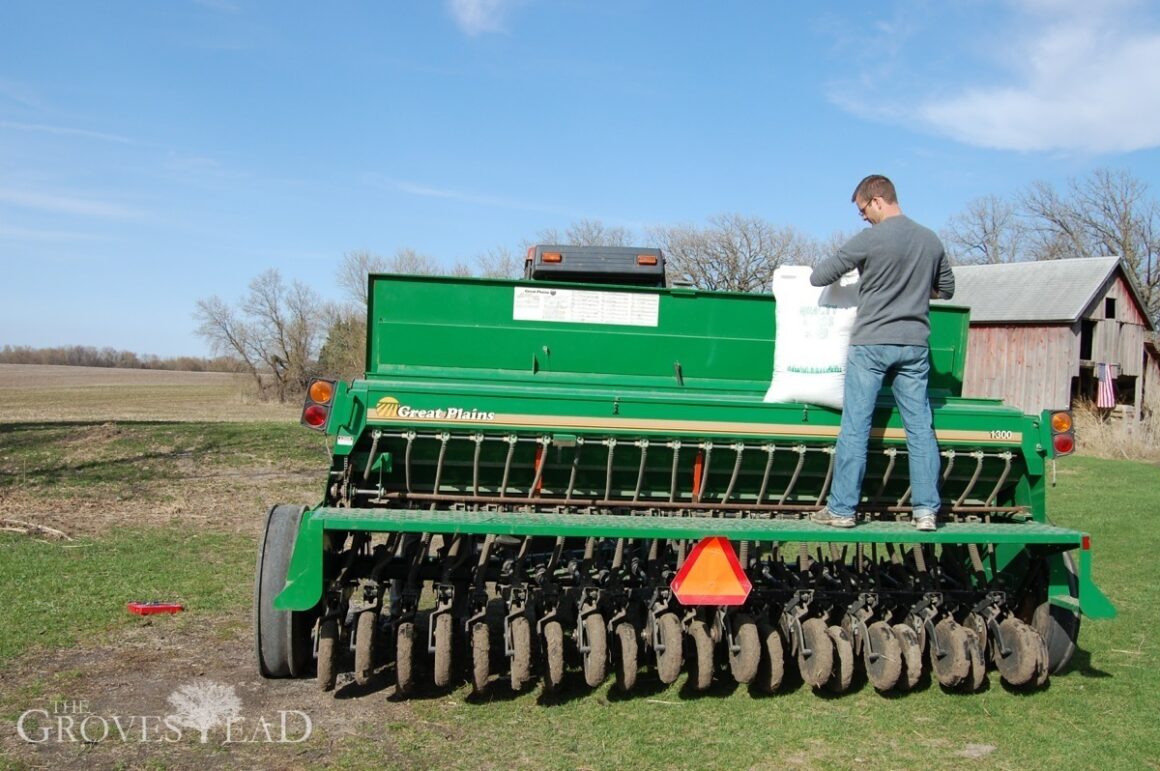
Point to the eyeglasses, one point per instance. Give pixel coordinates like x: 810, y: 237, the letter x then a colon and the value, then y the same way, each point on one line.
x: 862, y: 209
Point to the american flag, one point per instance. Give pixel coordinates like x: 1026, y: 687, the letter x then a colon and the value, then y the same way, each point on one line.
x: 1106, y: 393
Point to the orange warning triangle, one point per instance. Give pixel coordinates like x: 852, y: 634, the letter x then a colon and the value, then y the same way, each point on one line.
x: 711, y: 575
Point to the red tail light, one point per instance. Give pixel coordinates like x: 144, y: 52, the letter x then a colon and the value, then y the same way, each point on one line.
x: 1064, y: 444
x: 316, y: 410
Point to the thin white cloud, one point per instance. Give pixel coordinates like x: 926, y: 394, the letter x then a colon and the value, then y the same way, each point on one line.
x: 67, y: 204
x: 1062, y: 75
x: 1085, y: 83
x: 65, y: 131
x: 476, y: 17
x: 28, y: 234
x: 18, y: 92
x: 426, y: 191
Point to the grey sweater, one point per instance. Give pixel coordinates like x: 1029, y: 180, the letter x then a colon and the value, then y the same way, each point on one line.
x: 900, y: 263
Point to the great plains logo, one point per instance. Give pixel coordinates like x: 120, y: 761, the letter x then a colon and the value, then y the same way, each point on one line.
x: 203, y: 708
x: 388, y: 408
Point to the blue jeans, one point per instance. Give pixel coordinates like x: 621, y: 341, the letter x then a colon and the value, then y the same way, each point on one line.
x: 866, y: 367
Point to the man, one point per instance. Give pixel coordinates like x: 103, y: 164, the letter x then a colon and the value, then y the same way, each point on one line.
x: 902, y: 266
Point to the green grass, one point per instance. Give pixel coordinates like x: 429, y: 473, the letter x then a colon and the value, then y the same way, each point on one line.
x: 1099, y: 713
x: 58, y: 593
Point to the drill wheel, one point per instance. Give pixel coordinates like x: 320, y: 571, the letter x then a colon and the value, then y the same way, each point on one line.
x: 668, y: 647
x: 843, y: 662
x: 480, y: 658
x: 815, y: 653
x: 950, y: 656
x: 443, y: 645
x: 554, y: 655
x: 405, y: 658
x: 595, y: 659
x: 910, y: 649
x: 884, y: 671
x: 327, y: 654
x: 366, y: 646
x: 521, y: 643
x: 627, y: 651
x: 771, y: 672
x: 1021, y: 664
x: 701, y: 665
x: 744, y: 663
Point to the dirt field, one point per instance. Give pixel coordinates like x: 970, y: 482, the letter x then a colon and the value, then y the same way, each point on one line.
x: 45, y: 392
x: 132, y: 672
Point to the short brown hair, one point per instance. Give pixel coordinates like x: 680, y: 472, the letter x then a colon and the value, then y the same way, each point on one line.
x: 875, y: 186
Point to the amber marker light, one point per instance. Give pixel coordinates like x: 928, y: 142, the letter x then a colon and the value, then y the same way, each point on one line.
x: 646, y: 259
x: 1060, y: 422
x: 321, y: 391
x: 552, y: 257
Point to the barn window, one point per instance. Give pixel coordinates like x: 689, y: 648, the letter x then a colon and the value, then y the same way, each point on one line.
x: 1109, y: 307
x: 1087, y: 329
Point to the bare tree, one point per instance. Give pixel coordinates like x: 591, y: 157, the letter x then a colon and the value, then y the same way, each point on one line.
x: 989, y: 231
x: 275, y: 330
x: 499, y: 262
x: 1054, y: 226
x: 1107, y: 213
x: 353, y: 272
x: 413, y: 263
x: 230, y: 335
x: 734, y: 253
x: 587, y: 233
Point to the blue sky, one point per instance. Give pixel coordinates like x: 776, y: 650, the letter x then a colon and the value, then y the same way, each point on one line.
x: 156, y: 152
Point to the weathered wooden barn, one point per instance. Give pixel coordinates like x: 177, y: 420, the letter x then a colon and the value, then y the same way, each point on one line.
x: 1040, y: 331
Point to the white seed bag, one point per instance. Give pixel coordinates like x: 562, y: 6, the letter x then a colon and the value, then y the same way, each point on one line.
x: 813, y: 335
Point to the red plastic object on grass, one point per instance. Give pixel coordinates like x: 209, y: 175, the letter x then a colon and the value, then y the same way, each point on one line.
x: 154, y: 606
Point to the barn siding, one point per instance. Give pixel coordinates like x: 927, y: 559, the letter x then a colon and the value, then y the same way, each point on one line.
x: 1119, y: 339
x: 1029, y: 367
x: 1149, y: 384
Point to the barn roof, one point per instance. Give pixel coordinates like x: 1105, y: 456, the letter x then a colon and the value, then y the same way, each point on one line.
x: 1030, y: 292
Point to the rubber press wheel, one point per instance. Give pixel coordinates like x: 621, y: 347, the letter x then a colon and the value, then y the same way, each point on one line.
x: 771, y: 672
x: 1020, y: 665
x: 978, y: 675
x: 668, y: 647
x: 521, y: 666
x: 843, y: 665
x: 743, y: 663
x: 480, y: 658
x: 950, y: 656
x: 366, y: 646
x: 443, y: 640
x: 885, y: 669
x: 283, y: 640
x: 701, y: 665
x: 328, y: 654
x: 911, y: 651
x: 595, y: 659
x: 627, y: 649
x: 554, y: 653
x: 815, y: 655
x: 405, y: 658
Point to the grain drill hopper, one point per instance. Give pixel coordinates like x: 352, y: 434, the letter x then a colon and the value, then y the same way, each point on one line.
x: 539, y: 476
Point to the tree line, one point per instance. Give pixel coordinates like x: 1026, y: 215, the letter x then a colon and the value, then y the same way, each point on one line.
x: 284, y: 334
x: 90, y: 356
